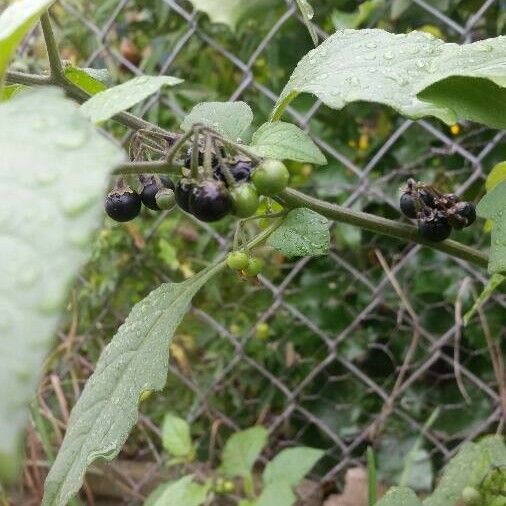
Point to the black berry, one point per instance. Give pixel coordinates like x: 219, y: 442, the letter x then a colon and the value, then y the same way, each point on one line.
x: 427, y: 198
x: 210, y: 201
x: 151, y: 187
x: 462, y: 215
x: 123, y: 204
x: 241, y: 171
x: 434, y: 227
x: 182, y: 191
x: 408, y: 205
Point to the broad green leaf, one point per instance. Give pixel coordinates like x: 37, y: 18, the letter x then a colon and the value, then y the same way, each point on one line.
x: 400, y: 496
x: 230, y: 119
x: 230, y: 12
x: 176, y: 436
x: 392, y: 69
x: 106, y: 104
x: 85, y: 81
x: 467, y: 468
x: 493, y: 207
x: 291, y: 465
x: 307, y: 15
x: 134, y: 361
x: 285, y: 141
x: 9, y: 91
x: 278, y: 493
x: 497, y: 175
x: 302, y: 233
x: 493, y: 283
x: 241, y: 451
x: 183, y: 492
x: 15, y: 21
x: 56, y: 163
x: 364, y: 11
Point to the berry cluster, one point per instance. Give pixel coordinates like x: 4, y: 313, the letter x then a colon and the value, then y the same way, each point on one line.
x: 233, y: 187
x: 242, y: 262
x: 436, y: 213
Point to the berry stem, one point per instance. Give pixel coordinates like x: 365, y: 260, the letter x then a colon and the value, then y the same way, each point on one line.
x: 229, y: 178
x: 151, y: 167
x: 55, y: 64
x: 208, y: 156
x: 293, y: 198
x: 233, y: 145
x: 195, y: 152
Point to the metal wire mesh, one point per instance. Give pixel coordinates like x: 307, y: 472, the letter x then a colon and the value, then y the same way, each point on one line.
x: 319, y: 380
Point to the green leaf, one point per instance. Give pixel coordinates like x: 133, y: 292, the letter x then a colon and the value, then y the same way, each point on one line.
x: 46, y: 148
x: 364, y: 11
x: 291, y: 465
x: 15, y: 21
x: 392, y: 69
x: 493, y: 283
x: 276, y: 494
x: 9, y: 91
x: 230, y: 119
x: 307, y: 15
x: 303, y: 232
x: 106, y: 104
x: 134, y: 361
x: 497, y: 175
x: 467, y: 469
x: 85, y: 81
x: 230, y: 12
x: 285, y: 141
x: 400, y: 496
x: 183, y: 492
x: 176, y: 437
x: 241, y: 451
x: 493, y: 207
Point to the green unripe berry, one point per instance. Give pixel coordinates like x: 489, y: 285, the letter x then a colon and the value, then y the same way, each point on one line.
x: 166, y: 199
x: 270, y: 177
x: 228, y: 486
x: 471, y: 496
x: 238, y: 260
x: 244, y: 200
x: 255, y: 266
x: 262, y: 331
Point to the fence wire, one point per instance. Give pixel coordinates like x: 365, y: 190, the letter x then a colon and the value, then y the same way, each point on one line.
x: 376, y: 303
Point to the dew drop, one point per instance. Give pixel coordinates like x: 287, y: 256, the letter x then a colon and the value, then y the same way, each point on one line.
x: 388, y: 55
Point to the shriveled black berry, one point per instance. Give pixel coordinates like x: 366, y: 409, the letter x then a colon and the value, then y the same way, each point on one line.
x: 427, y: 198
x: 434, y: 227
x: 183, y: 189
x: 123, y: 204
x: 241, y: 171
x: 408, y: 205
x: 151, y: 187
x: 462, y: 215
x: 210, y: 201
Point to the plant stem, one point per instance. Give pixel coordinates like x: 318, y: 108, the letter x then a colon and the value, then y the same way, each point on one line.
x: 152, y: 167
x: 372, y: 478
x: 293, y: 198
x: 55, y: 64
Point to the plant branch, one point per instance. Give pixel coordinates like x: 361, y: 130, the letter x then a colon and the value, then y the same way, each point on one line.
x: 55, y: 64
x: 293, y: 198
x: 150, y: 167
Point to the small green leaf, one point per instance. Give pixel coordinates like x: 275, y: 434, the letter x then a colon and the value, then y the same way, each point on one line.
x: 15, y: 21
x: 241, y: 451
x: 176, y: 437
x: 183, y: 492
x: 307, y: 15
x: 400, y: 496
x: 46, y: 147
x: 279, y: 493
x: 10, y: 91
x: 291, y: 465
x: 106, y: 104
x: 231, y: 12
x: 285, y: 141
x: 230, y: 119
x: 85, y: 81
x: 393, y: 69
x: 493, y: 207
x: 134, y: 361
x: 364, y: 11
x: 493, y: 283
x: 302, y: 233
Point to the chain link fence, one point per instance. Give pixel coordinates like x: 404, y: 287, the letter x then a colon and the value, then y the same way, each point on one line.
x: 359, y: 351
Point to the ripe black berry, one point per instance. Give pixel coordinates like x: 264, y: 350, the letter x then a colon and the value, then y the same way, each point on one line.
x: 467, y: 211
x: 182, y: 191
x: 408, y: 205
x: 210, y: 201
x: 123, y: 204
x: 434, y: 227
x: 427, y: 198
x: 151, y: 187
x: 240, y: 170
